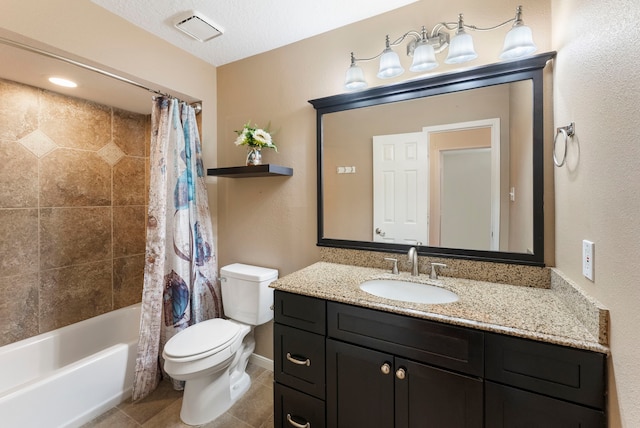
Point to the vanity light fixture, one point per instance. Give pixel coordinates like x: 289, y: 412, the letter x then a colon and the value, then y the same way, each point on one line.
x: 424, y: 46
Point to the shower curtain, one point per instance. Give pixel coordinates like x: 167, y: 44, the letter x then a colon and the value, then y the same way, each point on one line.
x: 180, y: 274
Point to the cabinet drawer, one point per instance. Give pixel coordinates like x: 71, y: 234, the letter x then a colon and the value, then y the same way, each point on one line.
x: 571, y: 374
x: 299, y: 359
x: 293, y: 409
x: 303, y: 312
x: 430, y: 342
x: 511, y: 407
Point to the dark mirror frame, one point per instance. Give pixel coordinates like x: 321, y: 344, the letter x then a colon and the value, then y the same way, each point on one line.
x: 494, y: 74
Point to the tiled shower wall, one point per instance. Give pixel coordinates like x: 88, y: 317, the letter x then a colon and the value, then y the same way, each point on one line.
x: 73, y: 191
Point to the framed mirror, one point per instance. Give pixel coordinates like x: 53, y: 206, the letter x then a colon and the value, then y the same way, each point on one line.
x: 451, y: 164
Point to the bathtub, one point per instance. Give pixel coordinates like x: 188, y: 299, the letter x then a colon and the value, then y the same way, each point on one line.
x: 67, y: 377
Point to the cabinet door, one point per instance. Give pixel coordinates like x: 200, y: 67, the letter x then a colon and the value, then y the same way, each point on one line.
x: 508, y: 407
x: 427, y: 397
x: 359, y: 387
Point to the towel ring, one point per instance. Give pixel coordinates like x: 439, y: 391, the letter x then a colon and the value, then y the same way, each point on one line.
x: 567, y: 131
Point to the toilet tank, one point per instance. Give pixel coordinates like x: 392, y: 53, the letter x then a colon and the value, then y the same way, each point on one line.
x: 246, y: 295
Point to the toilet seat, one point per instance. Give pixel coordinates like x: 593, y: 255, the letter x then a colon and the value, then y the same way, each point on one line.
x: 201, y: 340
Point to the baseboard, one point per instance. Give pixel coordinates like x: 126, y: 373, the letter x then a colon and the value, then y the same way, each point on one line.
x: 261, y: 361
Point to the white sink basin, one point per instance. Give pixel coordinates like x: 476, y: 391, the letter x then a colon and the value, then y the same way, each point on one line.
x: 406, y: 291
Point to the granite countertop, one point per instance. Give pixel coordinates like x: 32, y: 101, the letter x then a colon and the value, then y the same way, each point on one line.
x: 534, y: 313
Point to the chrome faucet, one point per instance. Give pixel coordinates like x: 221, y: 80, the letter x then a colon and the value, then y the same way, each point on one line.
x: 413, y: 261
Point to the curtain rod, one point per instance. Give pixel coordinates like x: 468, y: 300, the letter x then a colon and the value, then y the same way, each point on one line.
x: 88, y: 67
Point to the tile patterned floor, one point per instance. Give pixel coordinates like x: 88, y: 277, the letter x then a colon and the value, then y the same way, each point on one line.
x: 161, y: 409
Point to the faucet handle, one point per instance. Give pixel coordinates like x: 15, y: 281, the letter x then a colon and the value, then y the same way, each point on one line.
x: 394, y: 269
x: 434, y: 272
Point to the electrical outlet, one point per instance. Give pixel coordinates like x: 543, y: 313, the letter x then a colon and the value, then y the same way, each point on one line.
x: 587, y: 259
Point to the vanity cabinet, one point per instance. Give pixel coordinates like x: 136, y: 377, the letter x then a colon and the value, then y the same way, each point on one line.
x: 534, y: 384
x: 339, y: 365
x: 299, y: 361
x: 388, y: 370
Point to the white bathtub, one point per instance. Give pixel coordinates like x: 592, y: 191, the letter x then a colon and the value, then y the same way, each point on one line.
x: 66, y: 377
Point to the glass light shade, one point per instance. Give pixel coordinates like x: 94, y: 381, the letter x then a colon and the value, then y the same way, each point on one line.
x: 518, y: 43
x: 389, y: 65
x: 354, y: 79
x: 461, y: 49
x: 424, y: 58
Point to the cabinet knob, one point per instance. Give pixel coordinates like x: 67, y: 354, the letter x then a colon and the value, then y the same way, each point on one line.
x: 295, y: 424
x: 400, y: 373
x: 385, y: 368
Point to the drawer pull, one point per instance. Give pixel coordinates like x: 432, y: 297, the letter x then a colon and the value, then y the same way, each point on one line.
x: 400, y: 373
x: 295, y: 424
x: 294, y: 360
x: 385, y: 368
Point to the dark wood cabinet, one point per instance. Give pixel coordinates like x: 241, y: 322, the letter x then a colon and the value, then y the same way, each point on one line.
x: 532, y: 384
x: 299, y: 361
x: 508, y: 407
x: 432, y: 397
x: 294, y: 409
x: 359, y: 389
x: 338, y: 365
x: 368, y: 388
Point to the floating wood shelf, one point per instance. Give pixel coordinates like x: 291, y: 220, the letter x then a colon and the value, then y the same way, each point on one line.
x: 266, y: 170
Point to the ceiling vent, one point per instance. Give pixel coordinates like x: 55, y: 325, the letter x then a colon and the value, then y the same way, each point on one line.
x: 198, y: 26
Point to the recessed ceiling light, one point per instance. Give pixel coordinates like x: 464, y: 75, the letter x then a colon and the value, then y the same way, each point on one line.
x: 63, y: 82
x: 198, y: 26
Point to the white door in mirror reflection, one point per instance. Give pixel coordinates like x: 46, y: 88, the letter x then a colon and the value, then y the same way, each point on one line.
x: 400, y: 188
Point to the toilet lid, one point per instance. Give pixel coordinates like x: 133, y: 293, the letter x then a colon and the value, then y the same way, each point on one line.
x: 202, y: 337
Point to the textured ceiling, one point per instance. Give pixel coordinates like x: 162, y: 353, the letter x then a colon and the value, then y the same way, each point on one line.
x: 250, y: 26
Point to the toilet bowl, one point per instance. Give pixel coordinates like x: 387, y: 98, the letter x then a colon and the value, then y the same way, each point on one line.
x: 211, y: 356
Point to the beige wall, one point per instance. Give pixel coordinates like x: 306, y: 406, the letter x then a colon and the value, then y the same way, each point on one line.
x: 272, y: 221
x: 597, y: 86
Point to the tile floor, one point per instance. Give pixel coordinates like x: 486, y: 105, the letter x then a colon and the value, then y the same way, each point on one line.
x: 161, y: 409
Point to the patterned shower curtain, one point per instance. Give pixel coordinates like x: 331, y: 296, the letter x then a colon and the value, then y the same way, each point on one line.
x: 180, y: 274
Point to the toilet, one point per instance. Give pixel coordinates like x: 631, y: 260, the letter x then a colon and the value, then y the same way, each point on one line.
x: 211, y: 356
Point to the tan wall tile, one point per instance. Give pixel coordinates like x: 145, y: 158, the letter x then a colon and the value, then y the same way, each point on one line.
x: 74, y: 293
x: 59, y: 158
x: 147, y: 140
x: 18, y: 241
x: 70, y: 236
x: 72, y: 122
x: 128, y: 279
x: 18, y: 110
x: 18, y: 307
x: 129, y: 181
x: 129, y: 230
x: 129, y: 132
x: 71, y: 177
x: 18, y: 176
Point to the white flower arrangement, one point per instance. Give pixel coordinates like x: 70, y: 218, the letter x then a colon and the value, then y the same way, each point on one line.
x: 254, y: 137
